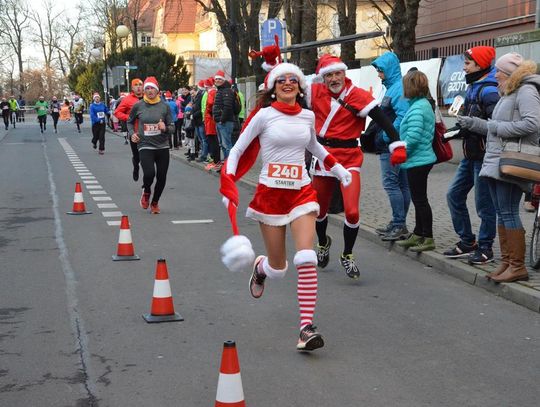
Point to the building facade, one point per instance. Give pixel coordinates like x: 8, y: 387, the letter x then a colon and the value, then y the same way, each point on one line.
x: 451, y: 27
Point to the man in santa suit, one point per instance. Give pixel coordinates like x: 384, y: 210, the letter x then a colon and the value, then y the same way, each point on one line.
x: 340, y: 114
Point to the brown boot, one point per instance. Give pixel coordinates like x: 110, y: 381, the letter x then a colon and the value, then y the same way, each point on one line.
x: 505, y: 253
x: 517, y: 270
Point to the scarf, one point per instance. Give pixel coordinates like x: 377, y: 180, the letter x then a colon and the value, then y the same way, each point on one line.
x: 228, y: 181
x: 474, y: 76
x: 157, y: 99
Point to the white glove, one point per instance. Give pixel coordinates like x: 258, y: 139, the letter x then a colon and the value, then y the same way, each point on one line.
x: 344, y: 176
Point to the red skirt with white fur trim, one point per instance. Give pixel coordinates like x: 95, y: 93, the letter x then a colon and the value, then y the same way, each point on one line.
x: 279, y: 207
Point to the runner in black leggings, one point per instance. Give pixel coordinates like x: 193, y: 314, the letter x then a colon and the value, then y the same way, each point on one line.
x: 55, y: 112
x: 151, y: 133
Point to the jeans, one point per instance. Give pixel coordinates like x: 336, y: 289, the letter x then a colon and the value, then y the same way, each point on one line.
x: 465, y: 179
x: 224, y: 131
x: 396, y: 185
x: 199, y: 131
x: 506, y: 198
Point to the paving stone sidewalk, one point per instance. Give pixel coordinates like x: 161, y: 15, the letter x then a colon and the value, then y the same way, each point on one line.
x: 375, y: 212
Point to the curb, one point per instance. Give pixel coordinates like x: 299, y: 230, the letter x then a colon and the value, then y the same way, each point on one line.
x: 518, y: 293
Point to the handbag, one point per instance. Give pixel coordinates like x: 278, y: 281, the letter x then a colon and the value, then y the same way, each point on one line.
x: 443, y: 151
x: 520, y: 161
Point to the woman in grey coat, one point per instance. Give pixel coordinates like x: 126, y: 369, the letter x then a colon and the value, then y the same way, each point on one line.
x: 515, y: 117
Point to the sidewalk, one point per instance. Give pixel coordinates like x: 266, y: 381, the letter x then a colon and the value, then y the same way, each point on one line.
x: 375, y: 211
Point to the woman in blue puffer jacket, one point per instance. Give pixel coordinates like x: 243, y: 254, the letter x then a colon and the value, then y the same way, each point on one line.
x: 417, y: 130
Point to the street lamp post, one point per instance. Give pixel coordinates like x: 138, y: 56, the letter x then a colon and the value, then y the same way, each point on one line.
x: 96, y: 53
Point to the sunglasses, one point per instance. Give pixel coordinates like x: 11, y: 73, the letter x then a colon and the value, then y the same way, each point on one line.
x: 292, y: 79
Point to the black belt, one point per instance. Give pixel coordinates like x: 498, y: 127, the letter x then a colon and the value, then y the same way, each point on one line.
x: 337, y: 143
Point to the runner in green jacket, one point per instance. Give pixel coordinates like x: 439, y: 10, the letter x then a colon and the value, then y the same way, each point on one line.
x: 42, y: 108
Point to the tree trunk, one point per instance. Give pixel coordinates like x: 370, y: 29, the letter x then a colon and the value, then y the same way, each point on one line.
x: 347, y: 26
x: 297, y: 13
x: 404, y: 19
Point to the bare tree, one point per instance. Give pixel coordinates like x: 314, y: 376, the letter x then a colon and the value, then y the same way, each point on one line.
x: 239, y: 24
x: 14, y: 22
x: 402, y: 21
x: 347, y: 25
x: 108, y: 15
x: 297, y: 14
x: 72, y: 45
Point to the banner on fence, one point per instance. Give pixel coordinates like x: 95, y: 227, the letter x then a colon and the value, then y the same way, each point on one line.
x: 452, y: 79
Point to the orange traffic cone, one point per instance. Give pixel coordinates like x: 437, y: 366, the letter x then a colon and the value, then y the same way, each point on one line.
x: 229, y: 389
x: 162, y: 302
x: 125, y: 250
x: 78, y: 202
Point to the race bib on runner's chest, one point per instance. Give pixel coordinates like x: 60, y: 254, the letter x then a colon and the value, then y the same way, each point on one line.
x: 41, y: 108
x: 151, y: 129
x: 5, y: 108
x: 100, y: 115
x: 55, y: 110
x: 286, y: 176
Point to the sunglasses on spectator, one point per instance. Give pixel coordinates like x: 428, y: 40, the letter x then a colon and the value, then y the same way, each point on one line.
x: 292, y: 79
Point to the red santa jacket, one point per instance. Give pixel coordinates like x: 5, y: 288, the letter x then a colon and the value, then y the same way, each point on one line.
x: 209, y: 123
x: 123, y: 110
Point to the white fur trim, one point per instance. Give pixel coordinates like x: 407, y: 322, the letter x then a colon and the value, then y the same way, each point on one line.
x: 305, y: 256
x: 219, y: 77
x: 282, y: 220
x: 365, y: 111
x: 332, y: 68
x: 151, y: 85
x: 395, y: 145
x: 267, y: 67
x: 273, y: 273
x: 285, y: 68
x: 237, y: 253
x: 356, y: 225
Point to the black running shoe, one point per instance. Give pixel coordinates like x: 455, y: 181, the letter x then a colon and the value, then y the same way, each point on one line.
x: 309, y: 339
x: 460, y: 250
x: 481, y: 256
x: 323, y: 253
x: 256, y: 281
x: 349, y: 265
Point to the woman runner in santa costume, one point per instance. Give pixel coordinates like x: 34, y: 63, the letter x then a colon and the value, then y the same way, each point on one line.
x: 283, y: 131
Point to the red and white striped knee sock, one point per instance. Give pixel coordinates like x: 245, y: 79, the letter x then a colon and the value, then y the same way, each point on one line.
x: 306, y: 262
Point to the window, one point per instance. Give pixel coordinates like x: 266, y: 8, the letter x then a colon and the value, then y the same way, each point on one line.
x: 146, y: 40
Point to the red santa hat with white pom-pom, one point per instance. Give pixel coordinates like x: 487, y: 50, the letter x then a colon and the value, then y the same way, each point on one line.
x: 329, y: 63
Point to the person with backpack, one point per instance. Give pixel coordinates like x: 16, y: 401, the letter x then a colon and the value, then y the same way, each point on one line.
x: 223, y: 112
x: 480, y: 100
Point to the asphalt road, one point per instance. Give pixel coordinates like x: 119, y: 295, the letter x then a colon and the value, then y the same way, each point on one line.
x: 71, y: 331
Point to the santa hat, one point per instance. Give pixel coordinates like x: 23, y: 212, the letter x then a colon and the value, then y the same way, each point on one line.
x: 483, y: 56
x: 283, y: 69
x: 201, y: 84
x: 151, y: 82
x: 219, y: 75
x: 96, y: 95
x: 329, y: 63
x: 168, y: 95
x: 209, y: 82
x: 270, y: 53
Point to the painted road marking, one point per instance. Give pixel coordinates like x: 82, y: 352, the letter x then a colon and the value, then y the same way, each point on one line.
x: 113, y: 222
x: 101, y: 198
x: 107, y: 206
x: 187, y: 222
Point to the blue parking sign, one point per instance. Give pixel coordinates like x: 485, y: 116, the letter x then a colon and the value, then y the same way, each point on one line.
x: 269, y: 29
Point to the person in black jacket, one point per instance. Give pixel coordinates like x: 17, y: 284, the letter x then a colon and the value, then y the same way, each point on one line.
x: 223, y: 112
x: 198, y: 121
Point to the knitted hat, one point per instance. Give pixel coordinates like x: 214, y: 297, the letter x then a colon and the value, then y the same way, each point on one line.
x: 136, y: 81
x: 483, y: 56
x: 151, y: 82
x: 282, y: 69
x: 329, y: 63
x: 508, y: 63
x: 219, y: 75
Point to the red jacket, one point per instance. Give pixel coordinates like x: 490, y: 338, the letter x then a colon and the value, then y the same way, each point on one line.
x: 123, y: 110
x: 209, y: 123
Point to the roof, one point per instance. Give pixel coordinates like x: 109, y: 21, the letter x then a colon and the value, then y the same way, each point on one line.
x: 179, y: 16
x: 146, y: 14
